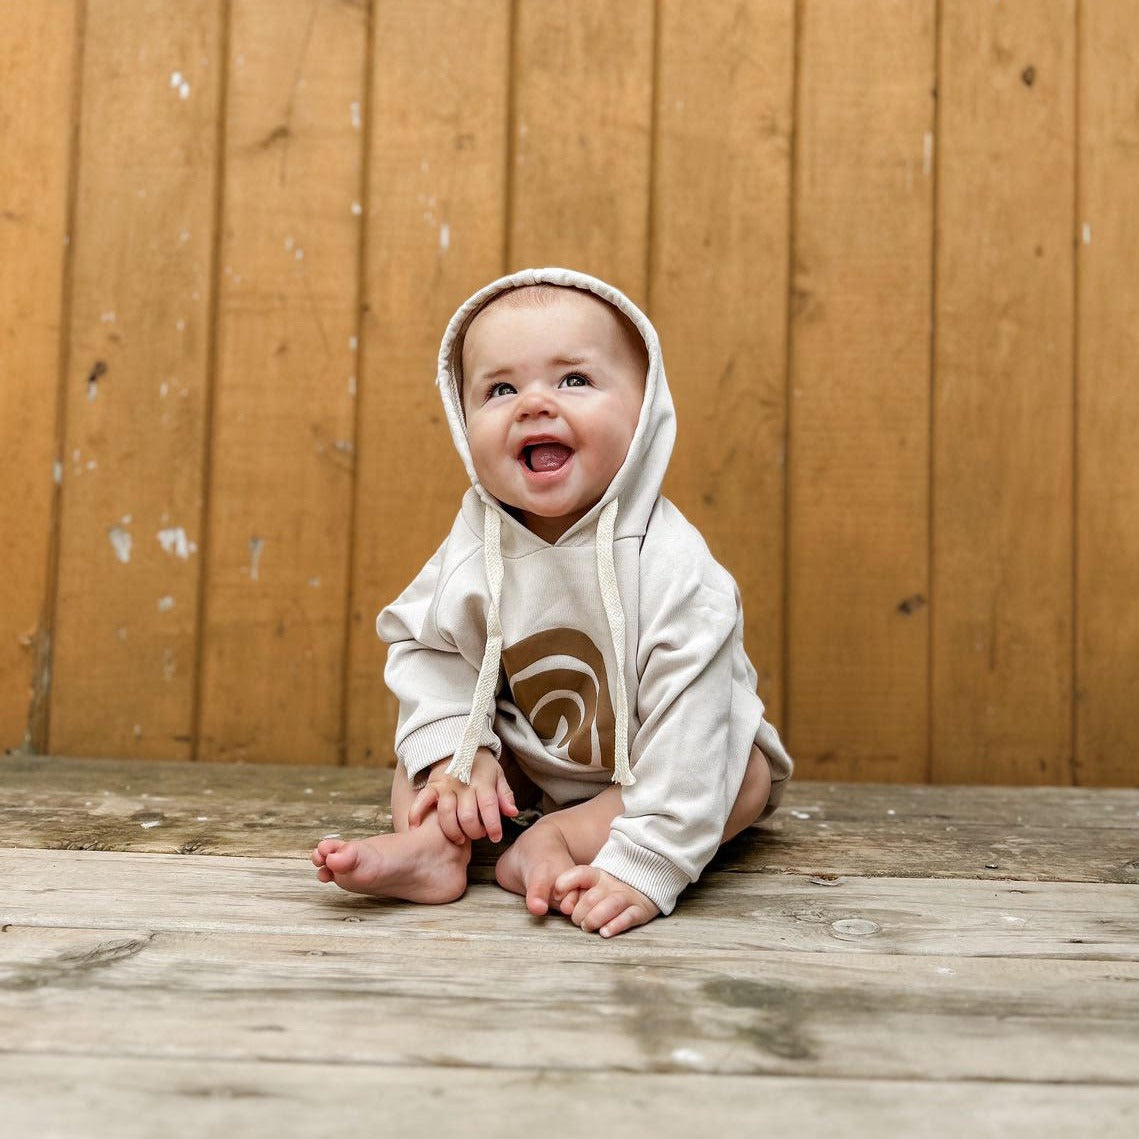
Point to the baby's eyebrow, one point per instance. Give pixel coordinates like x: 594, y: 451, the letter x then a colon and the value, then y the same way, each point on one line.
x: 556, y: 362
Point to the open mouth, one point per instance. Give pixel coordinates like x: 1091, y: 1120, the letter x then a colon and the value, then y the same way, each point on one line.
x: 542, y: 458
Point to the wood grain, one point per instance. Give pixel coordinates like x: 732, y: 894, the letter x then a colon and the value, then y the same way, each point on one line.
x: 581, y: 136
x: 718, y: 289
x: 126, y: 648
x: 1002, y: 507
x: 1107, y: 398
x: 283, y: 439
x: 37, y: 61
x: 326, y: 1099
x: 438, y: 129
x: 858, y: 587
x: 778, y: 1013
x: 746, y: 912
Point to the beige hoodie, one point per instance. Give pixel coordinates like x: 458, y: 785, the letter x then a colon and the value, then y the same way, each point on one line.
x: 615, y: 654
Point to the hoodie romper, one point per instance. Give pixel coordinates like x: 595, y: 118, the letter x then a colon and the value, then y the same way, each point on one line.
x: 614, y: 655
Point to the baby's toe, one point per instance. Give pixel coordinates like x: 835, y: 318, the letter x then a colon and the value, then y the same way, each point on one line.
x: 343, y: 858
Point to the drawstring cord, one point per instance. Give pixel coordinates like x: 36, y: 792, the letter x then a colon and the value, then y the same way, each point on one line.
x: 615, y: 614
x: 482, y: 704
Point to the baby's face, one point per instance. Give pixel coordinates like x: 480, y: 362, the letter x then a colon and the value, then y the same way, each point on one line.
x: 551, y: 394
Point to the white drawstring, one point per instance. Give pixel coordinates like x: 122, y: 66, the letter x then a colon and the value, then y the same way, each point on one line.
x: 611, y: 599
x: 482, y: 704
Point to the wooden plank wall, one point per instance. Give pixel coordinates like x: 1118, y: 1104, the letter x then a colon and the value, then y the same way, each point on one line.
x: 889, y: 246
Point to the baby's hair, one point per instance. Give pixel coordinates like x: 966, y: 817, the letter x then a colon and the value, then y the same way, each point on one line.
x: 544, y: 295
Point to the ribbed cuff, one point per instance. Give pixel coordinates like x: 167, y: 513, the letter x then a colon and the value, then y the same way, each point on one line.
x: 436, y: 741
x: 645, y: 870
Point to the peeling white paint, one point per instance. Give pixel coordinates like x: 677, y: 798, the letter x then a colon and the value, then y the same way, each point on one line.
x: 165, y: 604
x: 108, y: 318
x: 344, y: 446
x: 352, y: 386
x: 927, y: 154
x: 180, y: 325
x: 120, y: 543
x: 444, y: 237
x: 357, y: 209
x: 179, y: 84
x: 353, y: 343
x: 356, y: 114
x: 314, y: 582
x: 256, y: 545
x: 289, y: 243
x: 174, y: 541
x: 299, y: 255
x: 1086, y: 233
x: 57, y: 472
x: 163, y: 390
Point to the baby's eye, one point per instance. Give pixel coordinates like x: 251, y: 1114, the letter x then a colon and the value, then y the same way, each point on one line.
x: 575, y: 380
x: 501, y: 388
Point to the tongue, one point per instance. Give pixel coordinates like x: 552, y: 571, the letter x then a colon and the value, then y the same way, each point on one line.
x: 549, y: 456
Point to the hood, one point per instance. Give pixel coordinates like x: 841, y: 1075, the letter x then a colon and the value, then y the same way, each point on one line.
x: 637, y: 484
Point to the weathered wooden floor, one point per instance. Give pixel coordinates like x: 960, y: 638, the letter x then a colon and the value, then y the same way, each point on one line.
x: 874, y: 961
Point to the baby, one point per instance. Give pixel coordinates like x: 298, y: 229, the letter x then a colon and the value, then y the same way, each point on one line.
x: 572, y: 646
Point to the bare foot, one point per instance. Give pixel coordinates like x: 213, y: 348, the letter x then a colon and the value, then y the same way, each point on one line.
x: 419, y: 865
x: 532, y: 864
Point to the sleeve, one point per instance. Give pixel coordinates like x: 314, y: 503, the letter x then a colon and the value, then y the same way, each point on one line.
x: 428, y: 674
x: 687, y: 764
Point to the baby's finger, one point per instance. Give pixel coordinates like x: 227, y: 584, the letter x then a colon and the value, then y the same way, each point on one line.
x: 569, y: 903
x: 421, y: 805
x: 586, y: 904
x: 605, y: 911
x: 448, y: 818
x: 468, y: 814
x: 627, y: 919
x: 505, y: 794
x: 488, y: 810
x: 577, y: 878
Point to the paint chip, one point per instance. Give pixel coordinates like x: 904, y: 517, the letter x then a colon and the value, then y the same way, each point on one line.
x: 174, y: 541
x: 165, y: 604
x: 120, y: 543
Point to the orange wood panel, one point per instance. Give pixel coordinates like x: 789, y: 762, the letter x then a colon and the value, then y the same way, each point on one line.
x: 283, y: 437
x: 1107, y: 742
x: 582, y: 129
x: 858, y: 585
x: 37, y: 62
x: 435, y: 225
x: 139, y: 336
x: 1003, y: 533
x: 718, y: 290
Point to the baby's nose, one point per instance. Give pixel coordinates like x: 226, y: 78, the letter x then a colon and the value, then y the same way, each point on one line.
x: 535, y: 401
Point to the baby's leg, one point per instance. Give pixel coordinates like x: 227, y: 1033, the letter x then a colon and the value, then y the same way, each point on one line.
x: 418, y: 865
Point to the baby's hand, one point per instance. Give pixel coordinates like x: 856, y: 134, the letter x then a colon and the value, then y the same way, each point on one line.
x: 466, y: 810
x: 595, y: 900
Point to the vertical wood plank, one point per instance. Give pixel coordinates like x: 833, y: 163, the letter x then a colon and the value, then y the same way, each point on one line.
x: 1002, y: 665
x: 127, y: 606
x: 435, y: 224
x: 718, y: 290
x: 859, y: 414
x: 1107, y: 742
x: 283, y: 425
x: 582, y: 129
x: 37, y: 62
